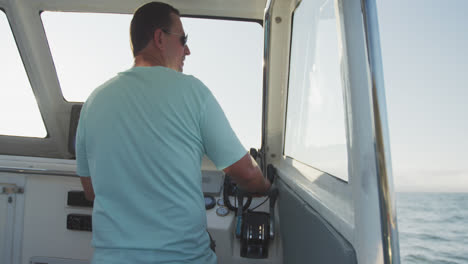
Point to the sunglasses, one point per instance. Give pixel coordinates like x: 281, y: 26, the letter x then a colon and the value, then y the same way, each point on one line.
x: 183, y: 38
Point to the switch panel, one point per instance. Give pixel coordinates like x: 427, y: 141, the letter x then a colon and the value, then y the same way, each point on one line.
x: 77, y: 198
x: 79, y: 222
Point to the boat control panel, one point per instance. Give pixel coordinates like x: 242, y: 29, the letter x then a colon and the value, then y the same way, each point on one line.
x: 240, y: 225
x: 212, y: 184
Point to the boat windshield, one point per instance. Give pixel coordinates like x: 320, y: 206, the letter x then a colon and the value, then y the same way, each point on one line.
x: 19, y: 112
x: 90, y: 48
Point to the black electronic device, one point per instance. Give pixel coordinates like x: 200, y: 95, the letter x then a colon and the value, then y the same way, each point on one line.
x: 78, y: 198
x: 255, y: 235
x: 79, y: 222
x: 256, y: 229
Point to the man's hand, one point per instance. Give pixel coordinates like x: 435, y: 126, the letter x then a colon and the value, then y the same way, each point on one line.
x: 88, y: 188
x: 246, y: 173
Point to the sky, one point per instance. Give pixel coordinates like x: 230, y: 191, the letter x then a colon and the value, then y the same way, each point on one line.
x: 424, y: 47
x: 425, y: 61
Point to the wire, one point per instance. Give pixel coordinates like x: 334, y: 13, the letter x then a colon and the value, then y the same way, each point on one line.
x: 259, y: 204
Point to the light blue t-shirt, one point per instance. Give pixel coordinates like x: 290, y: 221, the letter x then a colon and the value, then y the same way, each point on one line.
x: 141, y: 137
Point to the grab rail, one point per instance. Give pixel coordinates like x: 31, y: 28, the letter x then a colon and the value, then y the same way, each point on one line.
x: 266, y: 76
x: 391, y: 250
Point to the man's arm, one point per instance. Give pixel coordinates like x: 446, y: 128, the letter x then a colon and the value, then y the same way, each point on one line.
x: 248, y: 175
x: 88, y: 188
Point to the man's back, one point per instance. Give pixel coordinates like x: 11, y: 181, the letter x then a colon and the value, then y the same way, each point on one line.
x: 142, y: 136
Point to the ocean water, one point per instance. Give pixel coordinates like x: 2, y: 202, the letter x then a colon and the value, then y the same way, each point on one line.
x: 433, y: 227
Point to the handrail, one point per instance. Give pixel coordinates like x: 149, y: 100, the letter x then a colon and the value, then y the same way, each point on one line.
x: 391, y: 248
x: 37, y: 171
x: 266, y: 77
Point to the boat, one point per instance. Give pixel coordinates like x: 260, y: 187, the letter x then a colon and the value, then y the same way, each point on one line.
x: 322, y: 123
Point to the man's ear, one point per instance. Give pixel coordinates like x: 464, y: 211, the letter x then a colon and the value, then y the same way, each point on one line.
x: 158, y: 38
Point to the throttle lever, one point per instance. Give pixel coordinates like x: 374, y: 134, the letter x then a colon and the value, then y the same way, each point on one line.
x: 271, y: 172
x: 273, y: 194
x: 240, y: 199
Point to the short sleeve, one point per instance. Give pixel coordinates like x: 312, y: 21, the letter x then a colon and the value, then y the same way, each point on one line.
x: 221, y: 143
x: 82, y: 167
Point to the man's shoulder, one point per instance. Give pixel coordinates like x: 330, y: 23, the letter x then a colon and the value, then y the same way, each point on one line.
x: 102, y: 88
x: 150, y: 77
x: 158, y: 73
x: 195, y: 84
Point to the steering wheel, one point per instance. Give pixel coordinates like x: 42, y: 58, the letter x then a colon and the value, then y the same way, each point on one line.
x: 230, y: 189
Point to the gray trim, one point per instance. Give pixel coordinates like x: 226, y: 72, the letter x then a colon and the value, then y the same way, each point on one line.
x: 37, y: 171
x: 53, y: 260
x: 30, y: 146
x: 391, y: 249
x: 308, y: 237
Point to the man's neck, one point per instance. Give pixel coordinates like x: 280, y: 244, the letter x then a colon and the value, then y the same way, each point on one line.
x: 146, y: 59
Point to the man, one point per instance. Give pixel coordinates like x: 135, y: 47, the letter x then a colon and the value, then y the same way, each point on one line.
x: 140, y: 142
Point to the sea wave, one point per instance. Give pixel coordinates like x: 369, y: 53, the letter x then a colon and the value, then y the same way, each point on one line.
x: 433, y: 227
x: 432, y: 237
x: 416, y: 258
